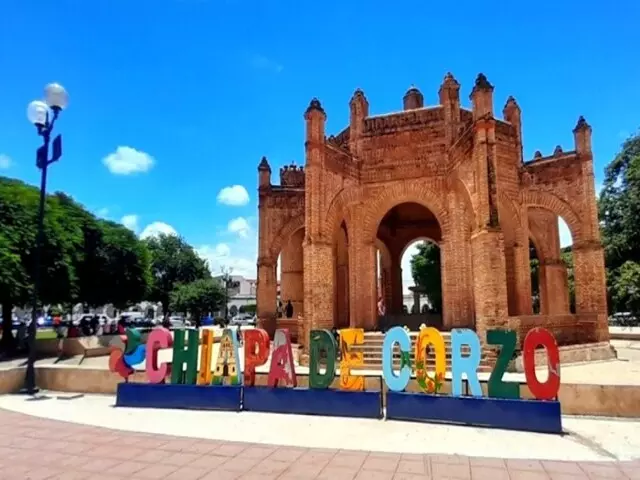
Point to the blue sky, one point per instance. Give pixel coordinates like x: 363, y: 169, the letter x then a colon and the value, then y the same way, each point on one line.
x: 185, y: 96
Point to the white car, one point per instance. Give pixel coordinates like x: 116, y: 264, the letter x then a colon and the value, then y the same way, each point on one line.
x: 102, y: 318
x: 243, y: 319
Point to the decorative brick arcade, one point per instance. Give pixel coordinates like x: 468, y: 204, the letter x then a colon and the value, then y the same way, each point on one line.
x: 446, y: 173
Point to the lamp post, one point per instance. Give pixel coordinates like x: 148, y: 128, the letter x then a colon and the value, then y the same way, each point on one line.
x: 43, y: 114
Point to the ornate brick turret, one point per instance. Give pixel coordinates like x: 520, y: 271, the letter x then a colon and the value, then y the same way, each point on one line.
x: 292, y: 176
x: 413, y: 99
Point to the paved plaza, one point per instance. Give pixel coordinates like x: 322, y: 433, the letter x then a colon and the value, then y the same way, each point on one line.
x: 40, y: 449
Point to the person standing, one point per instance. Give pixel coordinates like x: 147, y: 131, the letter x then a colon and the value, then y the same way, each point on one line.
x: 289, y: 309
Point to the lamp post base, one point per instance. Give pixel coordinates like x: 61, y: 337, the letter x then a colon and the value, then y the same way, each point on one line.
x: 29, y: 391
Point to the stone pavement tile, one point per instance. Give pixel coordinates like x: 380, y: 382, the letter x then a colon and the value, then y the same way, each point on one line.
x: 188, y: 473
x: 568, y: 476
x: 69, y: 475
x: 97, y: 465
x: 177, y: 445
x: 489, y: 473
x: 259, y: 476
x: 285, y: 454
x: 528, y: 465
x: 317, y: 457
x: 632, y: 471
x: 209, y: 461
x: 381, y: 462
x: 222, y: 475
x: 374, y: 475
x: 157, y: 471
x: 302, y: 471
x: 128, y: 468
x: 569, y: 468
x: 602, y: 470
x: 40, y: 473
x: 238, y: 465
x: 230, y: 449
x: 337, y: 473
x: 449, y: 459
x: 487, y: 462
x: 73, y: 461
x: 351, y: 460
x: 126, y: 453
x: 460, y: 471
x: 416, y: 467
x: 152, y: 456
x: 258, y: 451
x: 270, y: 467
x: 179, y: 459
x: 528, y: 475
x: 409, y: 476
x: 204, y: 447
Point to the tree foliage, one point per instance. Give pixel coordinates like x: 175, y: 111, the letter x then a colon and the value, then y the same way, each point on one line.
x: 197, y: 298
x: 83, y: 259
x: 619, y: 206
x: 173, y: 262
x: 425, y: 269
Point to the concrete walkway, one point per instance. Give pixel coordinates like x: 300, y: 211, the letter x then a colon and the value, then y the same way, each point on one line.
x: 40, y: 449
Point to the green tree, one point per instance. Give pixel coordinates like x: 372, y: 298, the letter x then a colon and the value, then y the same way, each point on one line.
x: 173, y: 262
x: 18, y: 224
x: 619, y: 206
x: 197, y: 298
x: 425, y: 269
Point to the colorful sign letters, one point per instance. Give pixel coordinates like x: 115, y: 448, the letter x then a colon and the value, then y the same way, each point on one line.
x: 225, y: 368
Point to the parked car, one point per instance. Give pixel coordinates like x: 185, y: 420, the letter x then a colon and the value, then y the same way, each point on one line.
x: 178, y: 321
x: 243, y: 319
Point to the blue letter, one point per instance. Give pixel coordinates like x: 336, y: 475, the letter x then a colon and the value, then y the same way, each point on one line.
x: 467, y: 365
x: 396, y: 383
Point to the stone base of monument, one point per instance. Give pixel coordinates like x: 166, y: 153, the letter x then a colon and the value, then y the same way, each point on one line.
x: 192, y: 397
x: 311, y: 401
x: 524, y: 415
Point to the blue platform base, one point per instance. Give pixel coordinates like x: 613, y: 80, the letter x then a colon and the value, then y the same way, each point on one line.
x: 194, y: 397
x: 524, y: 415
x: 303, y: 401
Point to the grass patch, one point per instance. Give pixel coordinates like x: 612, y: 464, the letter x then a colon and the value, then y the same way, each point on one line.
x: 45, y: 334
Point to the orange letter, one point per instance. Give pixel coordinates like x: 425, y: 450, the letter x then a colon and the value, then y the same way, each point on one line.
x: 204, y: 374
x: 350, y: 359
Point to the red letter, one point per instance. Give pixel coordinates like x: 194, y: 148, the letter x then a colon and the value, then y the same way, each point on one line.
x: 159, y: 338
x: 256, y: 353
x: 282, y: 361
x: 549, y: 389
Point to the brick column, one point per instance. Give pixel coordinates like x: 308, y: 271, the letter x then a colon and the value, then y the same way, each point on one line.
x: 266, y: 295
x: 362, y: 267
x: 318, y: 288
x: 292, y: 282
x: 489, y: 280
x: 591, y: 284
x: 556, y: 286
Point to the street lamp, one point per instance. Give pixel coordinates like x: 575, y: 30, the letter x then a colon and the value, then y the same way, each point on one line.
x: 43, y: 114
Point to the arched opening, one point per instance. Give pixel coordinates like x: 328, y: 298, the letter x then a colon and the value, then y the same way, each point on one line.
x: 398, y: 231
x: 290, y: 279
x: 422, y: 277
x: 551, y: 263
x: 341, y: 304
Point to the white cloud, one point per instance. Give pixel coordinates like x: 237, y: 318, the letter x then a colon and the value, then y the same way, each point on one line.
x: 239, y: 226
x: 5, y: 161
x: 156, y: 228
x: 128, y: 161
x: 224, y: 256
x: 131, y: 222
x: 565, y: 233
x: 261, y: 62
x: 235, y: 196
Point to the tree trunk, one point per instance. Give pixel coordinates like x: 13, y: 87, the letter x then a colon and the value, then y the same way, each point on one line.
x: 7, y: 344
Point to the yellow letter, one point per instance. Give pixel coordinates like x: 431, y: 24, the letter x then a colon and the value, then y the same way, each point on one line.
x: 349, y: 359
x: 204, y: 374
x: 430, y: 336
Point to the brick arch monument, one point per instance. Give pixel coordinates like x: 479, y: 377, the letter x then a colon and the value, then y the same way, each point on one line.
x: 446, y: 171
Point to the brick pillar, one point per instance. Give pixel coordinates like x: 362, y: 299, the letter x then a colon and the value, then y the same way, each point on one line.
x: 292, y: 282
x: 591, y: 284
x: 318, y: 288
x: 490, y: 280
x: 266, y: 295
x: 522, y: 275
x: 362, y: 266
x: 556, y: 285
x: 456, y: 265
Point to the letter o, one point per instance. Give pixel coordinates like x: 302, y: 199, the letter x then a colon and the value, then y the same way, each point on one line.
x: 395, y: 383
x: 549, y: 389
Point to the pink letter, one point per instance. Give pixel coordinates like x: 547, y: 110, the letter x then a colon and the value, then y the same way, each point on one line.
x: 159, y: 338
x: 282, y: 368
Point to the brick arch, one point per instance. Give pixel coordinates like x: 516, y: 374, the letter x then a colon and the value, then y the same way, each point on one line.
x: 461, y: 189
x: 427, y: 194
x: 548, y: 201
x: 338, y: 211
x: 511, y: 218
x: 285, y: 232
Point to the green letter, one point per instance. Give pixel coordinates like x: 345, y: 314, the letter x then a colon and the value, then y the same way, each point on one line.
x: 322, y: 341
x: 182, y: 357
x: 497, y: 388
